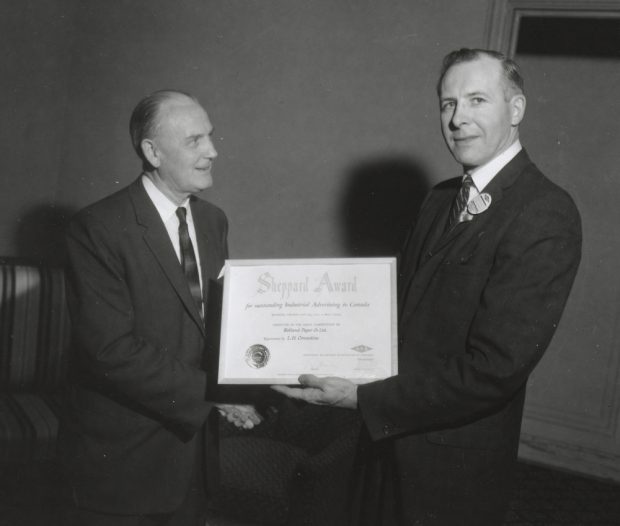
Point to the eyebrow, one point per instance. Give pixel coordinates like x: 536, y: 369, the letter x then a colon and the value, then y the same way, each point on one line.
x: 467, y: 95
x: 476, y: 93
x: 200, y: 135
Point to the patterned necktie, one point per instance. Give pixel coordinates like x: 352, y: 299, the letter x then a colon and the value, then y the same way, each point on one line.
x: 460, y: 203
x: 188, y: 260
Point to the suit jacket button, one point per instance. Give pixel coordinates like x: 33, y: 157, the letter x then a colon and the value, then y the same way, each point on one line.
x: 386, y: 429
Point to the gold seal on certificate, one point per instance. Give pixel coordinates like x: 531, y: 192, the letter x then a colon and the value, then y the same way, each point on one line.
x: 328, y: 317
x: 257, y: 356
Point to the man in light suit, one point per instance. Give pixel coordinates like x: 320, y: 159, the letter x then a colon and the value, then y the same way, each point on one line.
x: 483, y: 279
x: 142, y: 291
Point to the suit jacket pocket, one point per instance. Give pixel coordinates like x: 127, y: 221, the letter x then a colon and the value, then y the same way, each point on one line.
x: 102, y: 417
x: 471, y: 253
x: 471, y: 436
x: 496, y: 431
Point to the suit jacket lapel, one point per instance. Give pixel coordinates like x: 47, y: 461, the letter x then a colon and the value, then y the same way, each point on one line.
x: 419, y: 251
x: 208, y: 263
x: 504, y: 179
x: 434, y: 250
x: 157, y: 239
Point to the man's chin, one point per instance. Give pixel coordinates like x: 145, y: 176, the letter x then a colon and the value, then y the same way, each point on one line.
x: 205, y: 182
x: 463, y: 158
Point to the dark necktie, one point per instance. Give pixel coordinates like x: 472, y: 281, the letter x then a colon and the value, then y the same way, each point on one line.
x: 188, y: 259
x: 460, y: 202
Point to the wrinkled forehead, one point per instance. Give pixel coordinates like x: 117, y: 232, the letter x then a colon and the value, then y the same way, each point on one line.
x: 180, y: 110
x: 178, y: 103
x: 481, y: 74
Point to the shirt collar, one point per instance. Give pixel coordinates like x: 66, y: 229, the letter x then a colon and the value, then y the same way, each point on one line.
x: 484, y: 174
x: 165, y: 207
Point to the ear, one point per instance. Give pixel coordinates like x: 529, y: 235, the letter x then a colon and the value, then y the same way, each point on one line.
x: 150, y: 151
x: 517, y: 108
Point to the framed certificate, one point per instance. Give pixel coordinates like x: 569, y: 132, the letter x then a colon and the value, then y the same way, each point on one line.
x: 328, y: 317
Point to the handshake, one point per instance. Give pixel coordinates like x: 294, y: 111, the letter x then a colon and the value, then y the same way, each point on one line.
x: 242, y: 416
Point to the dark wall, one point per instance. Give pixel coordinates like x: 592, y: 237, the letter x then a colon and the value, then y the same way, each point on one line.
x: 325, y: 114
x: 36, y: 55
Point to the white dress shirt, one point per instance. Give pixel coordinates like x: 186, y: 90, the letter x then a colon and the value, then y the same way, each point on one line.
x: 168, y: 212
x: 483, y: 175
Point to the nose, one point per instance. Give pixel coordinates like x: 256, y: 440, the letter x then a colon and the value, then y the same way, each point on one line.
x: 209, y: 149
x: 459, y: 116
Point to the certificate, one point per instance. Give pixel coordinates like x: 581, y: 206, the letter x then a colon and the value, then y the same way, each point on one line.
x: 328, y: 317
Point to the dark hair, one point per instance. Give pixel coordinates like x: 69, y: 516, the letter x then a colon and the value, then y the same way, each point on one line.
x: 144, y: 119
x: 512, y: 72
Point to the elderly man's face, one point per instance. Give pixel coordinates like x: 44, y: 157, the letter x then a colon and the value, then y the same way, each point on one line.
x: 183, y: 147
x: 479, y: 118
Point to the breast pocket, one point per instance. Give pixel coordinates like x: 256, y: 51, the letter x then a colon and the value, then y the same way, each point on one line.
x: 472, y: 252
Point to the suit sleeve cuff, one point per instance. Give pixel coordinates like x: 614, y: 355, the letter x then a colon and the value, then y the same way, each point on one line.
x: 370, y: 401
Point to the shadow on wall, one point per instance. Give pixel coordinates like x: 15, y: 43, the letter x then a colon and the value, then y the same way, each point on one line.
x: 40, y: 234
x: 380, y: 202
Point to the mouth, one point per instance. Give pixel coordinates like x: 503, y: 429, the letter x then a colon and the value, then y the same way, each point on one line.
x: 464, y: 140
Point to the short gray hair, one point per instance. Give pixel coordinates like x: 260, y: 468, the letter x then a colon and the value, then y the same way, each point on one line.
x: 144, y: 119
x: 511, y: 70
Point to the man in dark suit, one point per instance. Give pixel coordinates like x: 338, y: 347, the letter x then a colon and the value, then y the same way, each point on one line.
x: 143, y: 272
x: 483, y: 279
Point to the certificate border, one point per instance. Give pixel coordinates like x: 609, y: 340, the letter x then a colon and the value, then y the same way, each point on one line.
x: 389, y: 261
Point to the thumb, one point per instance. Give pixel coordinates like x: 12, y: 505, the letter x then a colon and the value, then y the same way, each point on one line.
x: 310, y: 380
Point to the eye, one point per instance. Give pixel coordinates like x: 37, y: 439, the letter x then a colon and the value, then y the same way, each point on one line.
x: 477, y: 100
x: 447, y: 104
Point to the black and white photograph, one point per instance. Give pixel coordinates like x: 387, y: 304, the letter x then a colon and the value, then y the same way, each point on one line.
x: 310, y: 263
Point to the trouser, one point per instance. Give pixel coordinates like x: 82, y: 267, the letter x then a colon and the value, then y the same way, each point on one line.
x: 192, y: 511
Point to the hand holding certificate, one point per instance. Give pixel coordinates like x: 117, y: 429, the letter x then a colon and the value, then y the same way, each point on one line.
x: 332, y: 391
x: 326, y: 317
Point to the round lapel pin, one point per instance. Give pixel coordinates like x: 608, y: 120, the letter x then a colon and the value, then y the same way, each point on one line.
x: 479, y: 204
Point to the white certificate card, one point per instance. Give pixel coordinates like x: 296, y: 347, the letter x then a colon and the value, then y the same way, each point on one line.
x: 328, y: 317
